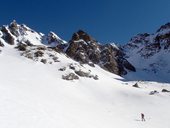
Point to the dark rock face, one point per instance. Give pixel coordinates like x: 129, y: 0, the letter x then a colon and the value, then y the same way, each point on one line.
x: 128, y: 65
x: 164, y: 39
x: 13, y: 27
x: 85, y: 49
x: 21, y: 47
x: 108, y: 58
x: 7, y: 36
x: 38, y: 54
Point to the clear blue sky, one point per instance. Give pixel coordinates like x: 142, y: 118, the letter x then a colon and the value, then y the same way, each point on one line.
x: 105, y: 20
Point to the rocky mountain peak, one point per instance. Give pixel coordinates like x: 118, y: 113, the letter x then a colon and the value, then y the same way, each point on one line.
x: 81, y: 35
x: 164, y: 27
x: 14, y: 25
x: 147, y: 45
x: 85, y: 49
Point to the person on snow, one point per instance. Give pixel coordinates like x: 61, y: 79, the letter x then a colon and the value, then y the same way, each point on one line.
x: 142, y: 117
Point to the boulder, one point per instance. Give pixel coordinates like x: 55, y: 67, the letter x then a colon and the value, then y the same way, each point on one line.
x: 165, y: 90
x: 153, y: 92
x: 82, y: 74
x: 38, y: 53
x: 62, y: 69
x: 135, y: 85
x: 55, y: 58
x: 44, y: 61
x: 21, y: 47
x: 70, y: 76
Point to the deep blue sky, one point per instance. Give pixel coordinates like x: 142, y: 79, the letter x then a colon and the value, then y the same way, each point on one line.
x: 105, y: 20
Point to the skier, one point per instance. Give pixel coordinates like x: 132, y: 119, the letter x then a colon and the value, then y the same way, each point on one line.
x: 142, y: 117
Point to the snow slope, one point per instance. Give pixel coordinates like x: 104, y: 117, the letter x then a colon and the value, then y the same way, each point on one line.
x: 34, y: 95
x: 156, y: 68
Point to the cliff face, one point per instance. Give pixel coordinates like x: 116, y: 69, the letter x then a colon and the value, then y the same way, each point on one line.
x: 85, y: 49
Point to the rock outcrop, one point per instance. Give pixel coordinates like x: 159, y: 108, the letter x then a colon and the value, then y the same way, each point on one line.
x: 85, y: 49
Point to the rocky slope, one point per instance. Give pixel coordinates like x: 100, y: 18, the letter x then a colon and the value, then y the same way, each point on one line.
x: 82, y: 48
x: 144, y: 57
x: 149, y: 53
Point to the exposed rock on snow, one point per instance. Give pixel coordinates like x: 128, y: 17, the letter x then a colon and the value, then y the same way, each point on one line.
x: 165, y: 90
x: 136, y: 85
x: 44, y: 61
x: 21, y: 47
x: 153, y: 92
x: 62, y: 69
x: 38, y: 53
x: 70, y: 76
x: 82, y: 71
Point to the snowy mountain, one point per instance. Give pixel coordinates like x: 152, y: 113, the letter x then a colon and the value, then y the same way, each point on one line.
x: 149, y: 54
x: 14, y: 34
x: 82, y: 47
x: 46, y: 82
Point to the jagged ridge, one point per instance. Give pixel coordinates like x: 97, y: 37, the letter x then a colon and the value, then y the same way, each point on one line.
x: 82, y: 47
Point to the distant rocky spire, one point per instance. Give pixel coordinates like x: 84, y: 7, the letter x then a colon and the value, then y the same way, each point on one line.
x: 14, y: 24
